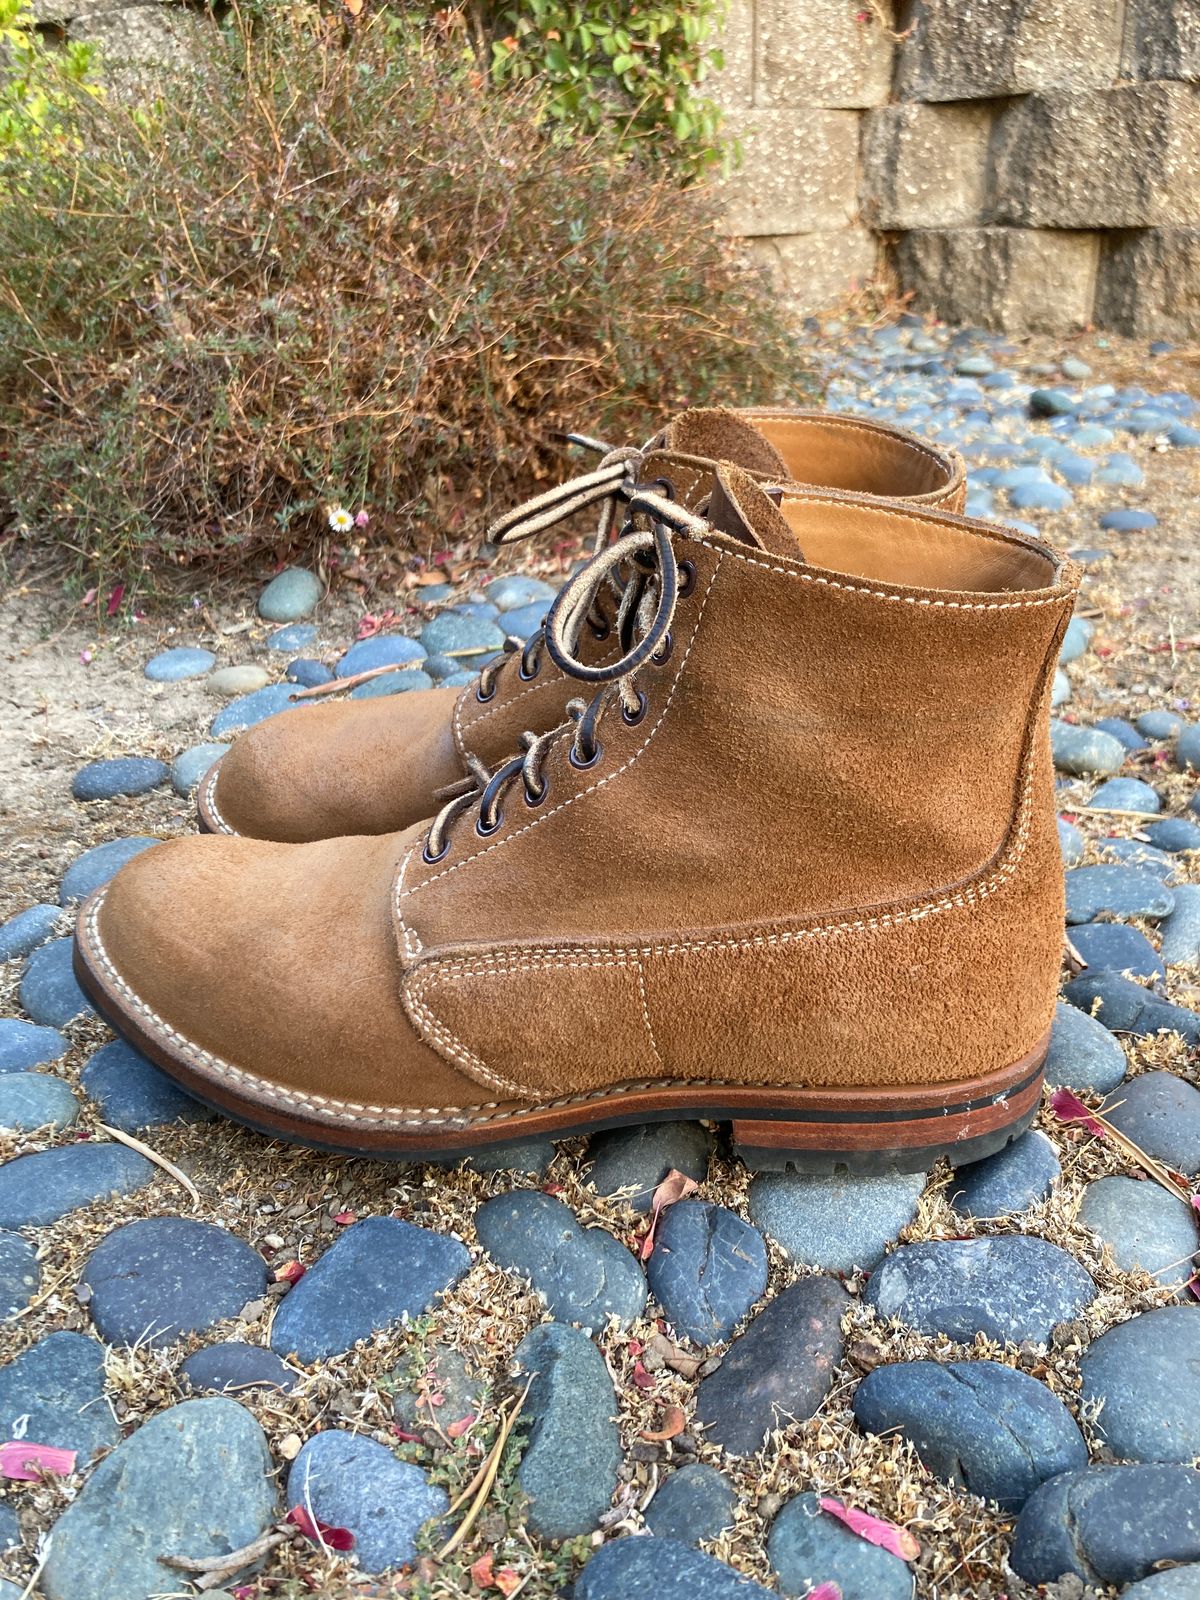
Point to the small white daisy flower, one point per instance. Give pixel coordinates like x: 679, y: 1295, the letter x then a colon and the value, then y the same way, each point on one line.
x: 340, y: 520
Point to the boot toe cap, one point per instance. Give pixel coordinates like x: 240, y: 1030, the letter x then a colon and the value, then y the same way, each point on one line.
x: 265, y: 978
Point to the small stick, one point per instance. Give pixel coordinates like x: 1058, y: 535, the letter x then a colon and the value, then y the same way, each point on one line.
x: 153, y: 1155
x: 233, y: 1560
x: 489, y: 1477
x: 1116, y: 811
x: 338, y: 684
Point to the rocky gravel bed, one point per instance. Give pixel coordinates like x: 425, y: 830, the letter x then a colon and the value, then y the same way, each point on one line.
x: 318, y: 1375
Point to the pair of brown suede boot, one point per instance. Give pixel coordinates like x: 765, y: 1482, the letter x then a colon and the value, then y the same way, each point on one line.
x: 758, y: 827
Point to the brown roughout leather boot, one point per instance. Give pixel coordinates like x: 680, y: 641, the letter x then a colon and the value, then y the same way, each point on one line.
x: 791, y: 863
x: 375, y: 766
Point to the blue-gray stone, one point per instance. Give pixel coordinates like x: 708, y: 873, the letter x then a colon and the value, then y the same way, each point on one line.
x: 975, y: 366
x: 57, y: 1385
x: 1125, y: 519
x: 1145, y: 857
x: 1083, y: 751
x: 661, y: 1569
x: 695, y: 1503
x: 452, y: 632
x: 1010, y: 1181
x: 440, y: 667
x: 458, y: 680
x: 1113, y: 947
x: 583, y: 1274
x: 49, y: 993
x: 377, y: 1273
x: 1123, y: 1006
x: 30, y: 1100
x: 1159, y: 724
x: 291, y: 596
x: 1060, y: 691
x: 22, y: 934
x: 1121, y: 471
x: 250, y: 709
x: 309, y: 674
x: 530, y: 1156
x: 40, y: 1188
x: 779, y: 1369
x: 1051, y: 403
x: 433, y: 593
x: 1071, y: 843
x: 707, y: 1269
x: 1073, y: 367
x: 348, y: 1481
x: 1127, y: 734
x: 478, y: 608
x: 133, y: 1094
x: 1160, y: 1112
x: 392, y: 683
x: 1040, y: 497
x: 515, y: 590
x: 1076, y: 639
x: 104, y: 780
x: 1181, y: 930
x: 1147, y: 1229
x: 1145, y: 1373
x: 840, y: 1223
x: 524, y: 622
x: 23, y: 1046
x: 236, y: 1368
x: 160, y: 1277
x: 1090, y: 556
x: 1183, y: 437
x: 1108, y: 1525
x: 1073, y: 468
x: 1117, y: 891
x: 96, y: 866
x: 1011, y: 1288
x: 19, y: 1274
x: 1176, y: 834
x: 636, y: 1160
x: 197, y: 1479
x: 808, y: 1546
x: 979, y: 1425
x: 382, y: 650
x: 10, y: 1539
x: 1187, y: 750
x: 1145, y: 420
x: 173, y: 666
x: 1173, y: 1583
x: 569, y: 1469
x: 191, y: 765
x: 296, y: 636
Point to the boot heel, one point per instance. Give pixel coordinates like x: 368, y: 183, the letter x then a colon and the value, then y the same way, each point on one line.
x: 887, y: 1137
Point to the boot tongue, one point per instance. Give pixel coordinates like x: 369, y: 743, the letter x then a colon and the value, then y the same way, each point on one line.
x: 739, y: 508
x: 720, y: 435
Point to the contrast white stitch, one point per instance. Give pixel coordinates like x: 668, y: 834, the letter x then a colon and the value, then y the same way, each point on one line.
x: 210, y: 802
x: 600, y: 782
x: 454, y: 1048
x: 412, y: 944
x: 488, y: 709
x: 641, y: 978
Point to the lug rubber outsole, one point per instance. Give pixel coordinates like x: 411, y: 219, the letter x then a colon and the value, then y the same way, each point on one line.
x: 774, y: 1128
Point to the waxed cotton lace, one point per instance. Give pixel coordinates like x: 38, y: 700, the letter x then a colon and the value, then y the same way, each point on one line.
x: 641, y: 566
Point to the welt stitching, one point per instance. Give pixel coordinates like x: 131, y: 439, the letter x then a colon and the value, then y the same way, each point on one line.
x: 600, y: 782
x: 210, y: 800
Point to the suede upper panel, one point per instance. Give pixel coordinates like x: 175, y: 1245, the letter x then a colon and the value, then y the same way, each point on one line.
x: 810, y: 745
x: 280, y: 960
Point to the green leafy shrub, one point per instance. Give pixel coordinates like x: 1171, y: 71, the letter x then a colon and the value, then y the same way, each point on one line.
x: 329, y: 270
x: 38, y: 86
x: 640, y: 66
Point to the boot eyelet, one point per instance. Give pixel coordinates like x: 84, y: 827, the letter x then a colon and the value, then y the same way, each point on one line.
x: 663, y: 654
x: 432, y: 861
x: 485, y: 830
x: 528, y: 677
x: 667, y: 487
x: 481, y: 697
x: 600, y: 634
x: 534, y: 801
x: 632, y: 718
x: 582, y: 766
x: 687, y: 578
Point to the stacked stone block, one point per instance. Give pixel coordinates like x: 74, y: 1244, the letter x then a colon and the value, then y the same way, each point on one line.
x: 1028, y: 163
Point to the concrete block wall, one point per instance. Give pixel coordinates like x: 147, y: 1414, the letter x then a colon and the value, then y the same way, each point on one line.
x: 1026, y: 164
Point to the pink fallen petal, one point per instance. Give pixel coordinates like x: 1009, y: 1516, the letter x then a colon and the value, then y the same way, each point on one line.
x: 825, y: 1591
x: 885, y: 1534
x: 1068, y: 1107
x: 115, y: 598
x: 320, y: 1532
x: 25, y: 1462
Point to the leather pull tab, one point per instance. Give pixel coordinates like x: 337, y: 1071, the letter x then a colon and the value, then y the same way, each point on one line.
x: 743, y: 510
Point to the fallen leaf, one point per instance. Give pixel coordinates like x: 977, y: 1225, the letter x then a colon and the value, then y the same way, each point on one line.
x: 507, y: 1580
x: 25, y: 1462
x: 320, y: 1532
x: 114, y: 599
x: 481, y: 1570
x: 1068, y: 1107
x: 885, y: 1534
x: 674, y: 1422
x: 455, y: 1430
x: 345, y: 1218
x: 674, y: 1187
x: 643, y: 1379
x: 291, y: 1273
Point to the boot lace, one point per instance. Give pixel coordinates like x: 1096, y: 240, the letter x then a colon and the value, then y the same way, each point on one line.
x: 642, y: 569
